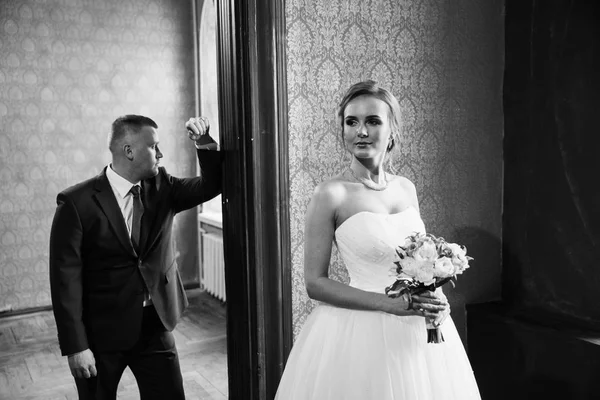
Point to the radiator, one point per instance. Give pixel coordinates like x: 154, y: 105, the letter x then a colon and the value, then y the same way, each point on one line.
x: 213, y: 265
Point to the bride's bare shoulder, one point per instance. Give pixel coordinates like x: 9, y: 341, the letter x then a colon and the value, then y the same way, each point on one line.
x: 333, y: 190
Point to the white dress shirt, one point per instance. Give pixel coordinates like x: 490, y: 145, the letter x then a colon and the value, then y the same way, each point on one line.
x: 121, y: 188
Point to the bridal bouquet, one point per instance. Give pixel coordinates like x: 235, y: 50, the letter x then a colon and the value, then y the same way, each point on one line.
x: 426, y: 262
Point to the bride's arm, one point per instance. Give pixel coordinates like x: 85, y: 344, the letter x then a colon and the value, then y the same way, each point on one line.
x: 318, y: 239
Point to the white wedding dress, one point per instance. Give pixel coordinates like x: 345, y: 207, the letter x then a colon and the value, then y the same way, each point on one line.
x: 344, y: 354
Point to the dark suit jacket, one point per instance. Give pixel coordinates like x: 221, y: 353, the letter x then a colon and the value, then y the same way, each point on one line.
x: 97, y: 279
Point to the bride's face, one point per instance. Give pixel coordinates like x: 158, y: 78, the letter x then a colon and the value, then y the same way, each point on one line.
x: 366, y: 127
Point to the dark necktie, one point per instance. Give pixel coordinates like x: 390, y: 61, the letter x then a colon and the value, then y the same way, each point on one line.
x: 136, y: 219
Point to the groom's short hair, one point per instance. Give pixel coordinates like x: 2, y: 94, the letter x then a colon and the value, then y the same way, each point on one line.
x: 125, y: 124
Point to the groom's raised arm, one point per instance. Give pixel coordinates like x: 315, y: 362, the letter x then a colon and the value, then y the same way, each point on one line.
x: 190, y: 192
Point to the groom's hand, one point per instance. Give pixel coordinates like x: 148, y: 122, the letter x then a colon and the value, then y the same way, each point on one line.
x: 83, y: 364
x: 198, y: 129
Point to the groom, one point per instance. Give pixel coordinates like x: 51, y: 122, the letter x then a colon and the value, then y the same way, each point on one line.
x: 116, y: 289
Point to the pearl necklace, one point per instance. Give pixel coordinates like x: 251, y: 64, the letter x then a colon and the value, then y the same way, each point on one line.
x: 369, y: 184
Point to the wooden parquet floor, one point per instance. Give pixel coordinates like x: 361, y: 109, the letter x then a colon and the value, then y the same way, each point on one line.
x: 31, y: 367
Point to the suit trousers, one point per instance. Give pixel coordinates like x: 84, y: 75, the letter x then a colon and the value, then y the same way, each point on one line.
x: 153, y: 360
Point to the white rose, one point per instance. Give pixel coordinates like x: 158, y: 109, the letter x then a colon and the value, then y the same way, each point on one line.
x: 457, y: 250
x: 459, y: 257
x: 444, y: 267
x: 427, y: 252
x: 425, y: 274
x: 409, y: 266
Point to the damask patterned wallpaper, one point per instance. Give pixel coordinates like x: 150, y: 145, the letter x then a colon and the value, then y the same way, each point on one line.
x: 444, y: 62
x: 68, y: 69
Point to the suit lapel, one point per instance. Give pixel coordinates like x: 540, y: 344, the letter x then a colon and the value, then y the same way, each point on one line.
x: 106, y: 200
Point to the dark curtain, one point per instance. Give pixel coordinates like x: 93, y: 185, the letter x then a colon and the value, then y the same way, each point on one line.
x: 551, y: 218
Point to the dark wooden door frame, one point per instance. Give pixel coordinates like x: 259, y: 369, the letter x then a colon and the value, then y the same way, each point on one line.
x: 253, y: 125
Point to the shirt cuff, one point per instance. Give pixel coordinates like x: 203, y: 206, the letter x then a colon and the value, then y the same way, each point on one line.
x: 74, y: 354
x: 210, y: 146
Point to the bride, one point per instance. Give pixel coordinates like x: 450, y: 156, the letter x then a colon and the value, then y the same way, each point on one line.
x: 359, y: 343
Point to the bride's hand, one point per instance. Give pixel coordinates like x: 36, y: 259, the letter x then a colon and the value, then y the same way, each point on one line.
x: 424, y: 305
x: 442, y: 315
x: 430, y: 305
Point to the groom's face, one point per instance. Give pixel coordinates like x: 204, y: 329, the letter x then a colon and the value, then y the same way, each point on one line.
x: 146, y: 154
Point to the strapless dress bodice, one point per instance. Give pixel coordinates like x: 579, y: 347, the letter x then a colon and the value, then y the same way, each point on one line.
x: 367, y: 243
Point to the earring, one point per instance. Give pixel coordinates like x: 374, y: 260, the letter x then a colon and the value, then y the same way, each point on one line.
x: 390, y: 144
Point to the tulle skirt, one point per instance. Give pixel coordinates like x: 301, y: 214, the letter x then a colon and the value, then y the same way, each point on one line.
x: 344, y: 354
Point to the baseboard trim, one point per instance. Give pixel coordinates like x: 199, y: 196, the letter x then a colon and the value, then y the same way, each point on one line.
x: 26, y: 311
x: 33, y: 310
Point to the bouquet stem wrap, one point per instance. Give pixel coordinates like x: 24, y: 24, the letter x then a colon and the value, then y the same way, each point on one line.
x: 411, y: 287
